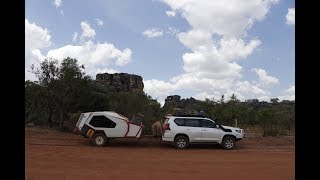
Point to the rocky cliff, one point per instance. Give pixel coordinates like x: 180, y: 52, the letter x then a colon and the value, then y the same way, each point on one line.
x: 178, y: 102
x: 121, y: 81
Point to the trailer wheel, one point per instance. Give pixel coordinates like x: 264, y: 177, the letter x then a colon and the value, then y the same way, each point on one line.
x: 99, y: 139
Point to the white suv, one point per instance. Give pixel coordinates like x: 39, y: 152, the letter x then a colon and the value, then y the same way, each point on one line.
x: 183, y: 130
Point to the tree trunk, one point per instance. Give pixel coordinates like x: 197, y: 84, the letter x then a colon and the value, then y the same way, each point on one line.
x: 61, y: 118
x: 50, y: 118
x: 49, y: 109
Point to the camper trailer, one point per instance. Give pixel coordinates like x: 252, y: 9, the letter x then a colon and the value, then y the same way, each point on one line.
x: 102, y: 126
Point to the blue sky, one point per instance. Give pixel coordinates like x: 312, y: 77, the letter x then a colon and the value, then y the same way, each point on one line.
x: 198, y: 48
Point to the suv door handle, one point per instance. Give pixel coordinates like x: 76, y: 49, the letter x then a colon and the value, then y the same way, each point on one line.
x: 188, y: 129
x: 204, y: 130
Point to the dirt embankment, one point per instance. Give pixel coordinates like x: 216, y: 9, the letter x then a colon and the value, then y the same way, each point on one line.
x: 55, y: 155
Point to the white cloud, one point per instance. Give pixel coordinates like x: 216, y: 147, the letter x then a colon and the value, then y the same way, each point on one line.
x: 170, y: 13
x: 74, y: 37
x: 93, y: 56
x: 229, y: 18
x: 97, y: 57
x: 289, y: 94
x: 87, y: 31
x: 106, y: 70
x: 152, y: 33
x: 204, y: 95
x: 291, y: 90
x: 263, y: 98
x: 290, y: 17
x: 264, y: 78
x: 36, y: 38
x: 99, y: 22
x: 215, y: 61
x: 250, y: 90
x: 57, y: 3
x: 287, y: 97
x: 216, y: 43
x: 173, y: 31
x: 157, y: 88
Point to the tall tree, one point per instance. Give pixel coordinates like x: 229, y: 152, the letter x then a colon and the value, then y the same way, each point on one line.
x: 70, y: 80
x: 47, y: 74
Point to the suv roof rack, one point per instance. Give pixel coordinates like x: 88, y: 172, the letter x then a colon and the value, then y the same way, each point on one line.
x: 189, y: 115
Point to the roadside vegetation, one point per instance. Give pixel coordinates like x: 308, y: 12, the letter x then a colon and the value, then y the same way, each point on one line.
x: 63, y: 91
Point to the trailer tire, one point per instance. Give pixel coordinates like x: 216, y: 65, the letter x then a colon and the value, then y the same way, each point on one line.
x: 99, y: 140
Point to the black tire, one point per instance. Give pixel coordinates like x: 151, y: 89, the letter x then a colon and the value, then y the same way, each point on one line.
x: 99, y: 139
x: 228, y: 142
x: 181, y: 142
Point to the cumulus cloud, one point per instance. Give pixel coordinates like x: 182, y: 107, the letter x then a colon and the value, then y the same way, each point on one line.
x: 152, y: 33
x: 36, y: 39
x: 264, y: 78
x: 216, y: 43
x: 291, y: 90
x: 105, y: 70
x: 170, y: 13
x: 74, y: 37
x: 290, y: 17
x: 87, y: 31
x: 94, y: 56
x: 158, y: 88
x: 230, y: 18
x: 97, y: 57
x: 57, y: 3
x: 204, y: 95
x: 249, y: 90
x: 173, y: 31
x: 99, y: 22
x: 289, y: 94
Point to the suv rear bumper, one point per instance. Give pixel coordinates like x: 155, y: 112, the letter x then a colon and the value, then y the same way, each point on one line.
x: 167, y: 139
x: 167, y: 136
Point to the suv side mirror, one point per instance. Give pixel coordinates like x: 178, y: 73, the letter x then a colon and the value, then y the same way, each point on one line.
x: 217, y: 126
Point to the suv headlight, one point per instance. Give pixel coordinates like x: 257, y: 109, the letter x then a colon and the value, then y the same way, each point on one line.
x: 238, y: 130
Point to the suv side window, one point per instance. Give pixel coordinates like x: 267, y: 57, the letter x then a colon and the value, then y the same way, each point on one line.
x: 193, y: 122
x: 208, y: 124
x: 102, y: 121
x: 180, y: 121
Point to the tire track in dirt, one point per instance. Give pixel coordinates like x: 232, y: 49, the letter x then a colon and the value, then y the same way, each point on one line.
x: 54, y: 155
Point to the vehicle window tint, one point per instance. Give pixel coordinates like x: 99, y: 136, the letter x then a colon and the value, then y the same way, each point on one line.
x: 102, y: 121
x: 208, y: 124
x: 193, y: 122
x: 180, y: 122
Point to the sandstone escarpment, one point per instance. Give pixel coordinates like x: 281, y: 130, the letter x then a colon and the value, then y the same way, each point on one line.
x: 121, y: 81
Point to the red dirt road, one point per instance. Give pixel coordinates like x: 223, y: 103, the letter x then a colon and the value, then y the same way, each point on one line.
x: 55, y: 155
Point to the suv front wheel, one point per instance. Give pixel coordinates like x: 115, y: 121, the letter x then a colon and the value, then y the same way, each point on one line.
x: 181, y: 142
x: 228, y: 142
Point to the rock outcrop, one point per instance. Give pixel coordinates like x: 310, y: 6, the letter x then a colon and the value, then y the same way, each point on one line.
x: 178, y: 102
x: 121, y: 81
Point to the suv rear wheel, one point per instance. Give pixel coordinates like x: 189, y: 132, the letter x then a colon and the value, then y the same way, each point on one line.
x: 99, y: 139
x: 228, y: 142
x: 181, y: 142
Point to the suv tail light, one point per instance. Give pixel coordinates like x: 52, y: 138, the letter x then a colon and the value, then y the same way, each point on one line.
x: 166, y: 126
